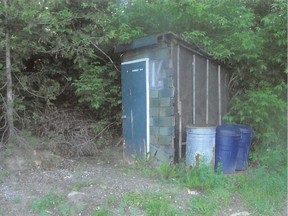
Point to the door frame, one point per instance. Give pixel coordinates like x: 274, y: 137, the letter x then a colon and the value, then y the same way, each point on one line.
x: 146, y: 60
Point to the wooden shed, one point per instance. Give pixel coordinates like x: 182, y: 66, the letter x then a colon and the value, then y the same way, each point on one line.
x: 167, y: 84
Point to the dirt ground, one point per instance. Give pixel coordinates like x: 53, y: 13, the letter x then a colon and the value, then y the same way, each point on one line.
x: 87, y: 183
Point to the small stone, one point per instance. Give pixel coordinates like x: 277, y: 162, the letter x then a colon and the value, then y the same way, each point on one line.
x: 192, y: 192
x: 244, y: 213
x: 76, y: 197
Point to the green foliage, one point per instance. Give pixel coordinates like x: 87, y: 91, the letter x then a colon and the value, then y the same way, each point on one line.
x: 152, y: 203
x: 201, y: 178
x: 47, y: 202
x: 204, y: 178
x: 146, y: 167
x: 102, y: 212
x: 53, y: 43
x: 264, y: 109
x: 210, y: 203
x: 272, y: 158
x: 168, y: 172
x: 16, y: 200
x: 97, y: 86
x: 206, y: 205
x: 56, y: 204
x: 3, y: 175
x: 264, y: 191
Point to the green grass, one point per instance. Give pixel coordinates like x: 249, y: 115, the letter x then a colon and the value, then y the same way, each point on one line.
x: 3, y: 175
x: 82, y: 184
x: 262, y: 188
x: 146, y: 167
x: 263, y: 191
x: 56, y: 204
x: 47, y: 202
x: 102, y: 212
x: 16, y: 200
x: 7, y: 153
x: 152, y: 203
x: 201, y: 178
x: 211, y: 202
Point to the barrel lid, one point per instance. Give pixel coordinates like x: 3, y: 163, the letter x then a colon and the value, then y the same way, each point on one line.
x: 244, y: 128
x: 228, y: 129
x: 200, y: 126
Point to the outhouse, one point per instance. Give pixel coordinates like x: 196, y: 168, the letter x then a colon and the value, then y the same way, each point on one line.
x: 167, y: 84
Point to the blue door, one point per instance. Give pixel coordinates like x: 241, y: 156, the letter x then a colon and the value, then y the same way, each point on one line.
x: 135, y: 100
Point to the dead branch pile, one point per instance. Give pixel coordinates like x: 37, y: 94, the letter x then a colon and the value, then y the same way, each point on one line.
x: 71, y: 133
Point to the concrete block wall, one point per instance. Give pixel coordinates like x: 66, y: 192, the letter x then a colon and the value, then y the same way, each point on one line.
x: 162, y: 119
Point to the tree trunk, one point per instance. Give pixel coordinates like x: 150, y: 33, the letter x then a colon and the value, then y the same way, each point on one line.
x: 9, y: 95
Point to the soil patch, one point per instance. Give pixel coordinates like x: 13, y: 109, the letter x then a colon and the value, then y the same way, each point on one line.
x: 86, y: 184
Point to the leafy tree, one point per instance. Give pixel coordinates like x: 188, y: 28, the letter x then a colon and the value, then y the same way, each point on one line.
x: 52, y: 43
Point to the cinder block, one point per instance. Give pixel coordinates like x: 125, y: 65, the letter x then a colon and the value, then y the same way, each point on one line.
x: 151, y: 121
x: 154, y: 111
x: 168, y: 82
x: 166, y: 92
x: 166, y: 111
x: 166, y: 131
x: 153, y: 150
x: 169, y: 72
x: 165, y: 140
x: 165, y: 102
x: 154, y: 139
x: 164, y: 121
x: 154, y: 93
x: 165, y: 154
x: 154, y: 131
x: 154, y: 102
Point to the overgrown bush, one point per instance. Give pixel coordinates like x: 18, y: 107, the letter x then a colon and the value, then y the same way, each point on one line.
x: 99, y: 87
x: 264, y: 109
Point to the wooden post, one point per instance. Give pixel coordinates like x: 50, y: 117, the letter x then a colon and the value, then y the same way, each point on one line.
x: 179, y: 105
x: 219, y: 95
x: 207, y: 91
x: 194, y: 89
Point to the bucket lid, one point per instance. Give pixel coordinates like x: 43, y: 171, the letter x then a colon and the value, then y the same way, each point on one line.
x: 200, y: 130
x: 228, y: 130
x: 244, y: 128
x: 200, y: 127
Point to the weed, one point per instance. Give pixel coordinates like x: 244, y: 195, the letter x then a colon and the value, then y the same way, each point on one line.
x: 264, y: 191
x: 211, y: 202
x: 152, y: 203
x: 79, y: 185
x: 51, y: 200
x: 112, y: 200
x: 82, y: 184
x: 146, y: 167
x: 102, y: 212
x: 203, y: 206
x: 202, y: 177
x: 168, y: 172
x: 3, y: 175
x: 273, y: 158
x: 16, y: 200
x: 66, y: 209
x: 7, y: 153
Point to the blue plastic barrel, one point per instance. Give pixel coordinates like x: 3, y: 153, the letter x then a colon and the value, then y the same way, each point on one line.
x: 244, y: 146
x: 226, y: 148
x: 200, y: 145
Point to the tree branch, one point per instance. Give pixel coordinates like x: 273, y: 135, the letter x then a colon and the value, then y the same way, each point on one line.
x: 105, y: 55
